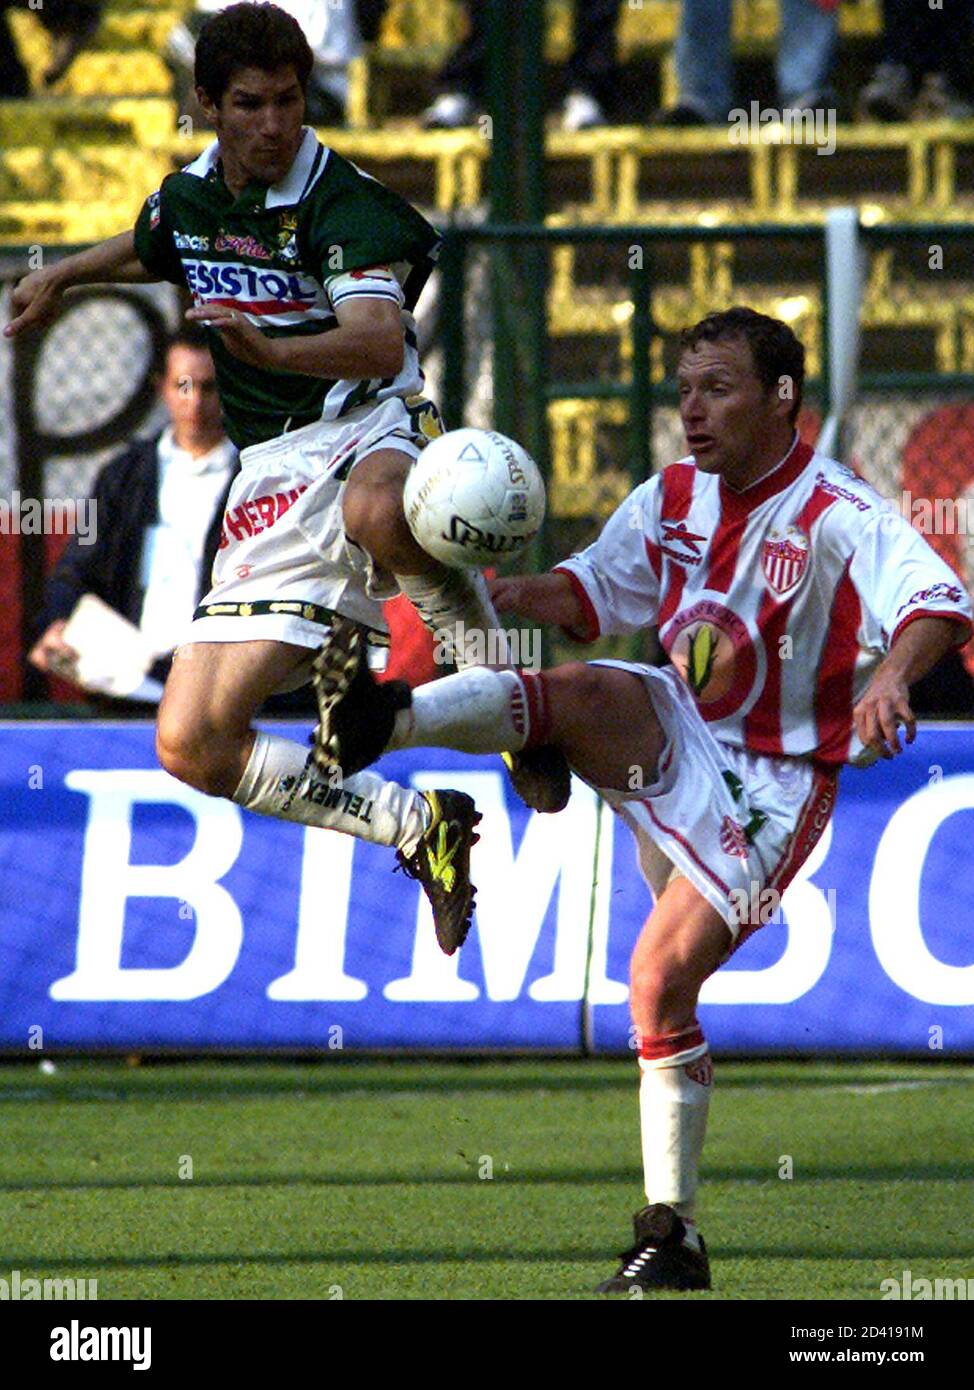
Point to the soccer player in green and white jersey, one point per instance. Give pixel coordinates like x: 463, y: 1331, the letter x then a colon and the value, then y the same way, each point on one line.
x: 305, y: 271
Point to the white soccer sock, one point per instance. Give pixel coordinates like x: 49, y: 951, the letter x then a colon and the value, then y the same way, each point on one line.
x: 282, y: 780
x: 674, y: 1097
x: 455, y: 606
x: 475, y: 711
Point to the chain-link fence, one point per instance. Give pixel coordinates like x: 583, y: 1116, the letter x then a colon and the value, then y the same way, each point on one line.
x: 71, y: 397
x: 583, y: 324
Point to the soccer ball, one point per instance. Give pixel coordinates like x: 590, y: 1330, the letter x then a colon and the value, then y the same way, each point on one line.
x: 473, y: 497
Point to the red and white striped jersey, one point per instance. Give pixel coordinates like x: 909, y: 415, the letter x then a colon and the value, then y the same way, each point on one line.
x: 776, y: 604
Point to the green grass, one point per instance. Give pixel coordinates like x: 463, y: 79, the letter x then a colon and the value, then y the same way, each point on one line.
x: 365, y: 1175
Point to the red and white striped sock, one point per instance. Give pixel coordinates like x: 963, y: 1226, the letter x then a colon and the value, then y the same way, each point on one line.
x: 674, y: 1097
x: 477, y: 711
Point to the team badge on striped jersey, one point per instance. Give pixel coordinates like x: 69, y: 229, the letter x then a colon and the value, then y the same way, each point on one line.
x: 732, y: 838
x: 784, y: 559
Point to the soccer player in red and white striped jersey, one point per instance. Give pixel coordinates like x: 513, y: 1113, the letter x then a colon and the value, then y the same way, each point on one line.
x: 797, y: 609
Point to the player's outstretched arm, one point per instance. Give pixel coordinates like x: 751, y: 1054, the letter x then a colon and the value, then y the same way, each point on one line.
x: 886, y: 702
x: 366, y: 345
x: 547, y: 598
x: 37, y: 297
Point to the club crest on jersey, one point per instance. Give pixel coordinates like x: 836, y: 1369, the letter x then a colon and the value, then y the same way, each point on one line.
x: 784, y: 559
x: 732, y: 838
x: 287, y: 237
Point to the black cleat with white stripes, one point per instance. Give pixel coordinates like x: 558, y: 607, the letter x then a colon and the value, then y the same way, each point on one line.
x: 660, y: 1258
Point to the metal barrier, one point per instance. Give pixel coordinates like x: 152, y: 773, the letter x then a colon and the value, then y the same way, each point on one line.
x: 556, y: 291
x: 563, y: 337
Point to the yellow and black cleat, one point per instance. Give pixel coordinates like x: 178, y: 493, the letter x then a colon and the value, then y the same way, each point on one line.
x: 441, y: 863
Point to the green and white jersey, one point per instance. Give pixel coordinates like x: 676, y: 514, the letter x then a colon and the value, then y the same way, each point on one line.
x: 286, y: 255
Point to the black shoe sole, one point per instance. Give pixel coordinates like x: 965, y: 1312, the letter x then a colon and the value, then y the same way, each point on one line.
x: 356, y: 713
x: 332, y: 673
x: 542, y: 778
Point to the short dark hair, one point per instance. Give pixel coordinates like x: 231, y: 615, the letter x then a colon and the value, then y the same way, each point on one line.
x: 249, y: 36
x: 776, y: 351
x: 189, y: 335
x: 186, y: 335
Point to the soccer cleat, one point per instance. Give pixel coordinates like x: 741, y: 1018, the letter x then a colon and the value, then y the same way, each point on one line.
x: 938, y: 100
x: 449, y: 111
x: 888, y: 94
x: 541, y: 777
x: 356, y: 713
x: 441, y: 863
x: 659, y: 1258
x: 581, y: 111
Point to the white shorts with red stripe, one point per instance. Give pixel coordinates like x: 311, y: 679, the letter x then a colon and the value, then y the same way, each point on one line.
x: 731, y: 821
x: 285, y: 565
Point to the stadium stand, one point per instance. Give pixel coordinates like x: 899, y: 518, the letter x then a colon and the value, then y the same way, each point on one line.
x: 76, y: 164
x: 67, y: 167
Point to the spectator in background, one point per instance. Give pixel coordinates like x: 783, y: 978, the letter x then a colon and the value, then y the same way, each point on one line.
x: 159, y: 511
x: 705, y: 67
x: 71, y: 23
x: 925, y: 66
x: 592, y: 70
x: 160, y: 506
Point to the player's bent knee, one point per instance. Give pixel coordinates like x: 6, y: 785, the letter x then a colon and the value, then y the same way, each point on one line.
x: 375, y: 512
x: 195, y: 760
x: 648, y: 983
x: 662, y: 985
x: 175, y: 755
x: 573, y: 692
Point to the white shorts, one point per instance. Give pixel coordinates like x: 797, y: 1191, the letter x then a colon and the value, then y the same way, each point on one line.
x: 731, y: 821
x: 285, y: 565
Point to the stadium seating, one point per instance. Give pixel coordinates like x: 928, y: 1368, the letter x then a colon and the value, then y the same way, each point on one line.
x: 418, y: 34
x: 76, y: 164
x: 120, y: 91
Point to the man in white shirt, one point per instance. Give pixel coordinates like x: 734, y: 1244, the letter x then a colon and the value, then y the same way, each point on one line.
x: 797, y: 608
x: 159, y: 507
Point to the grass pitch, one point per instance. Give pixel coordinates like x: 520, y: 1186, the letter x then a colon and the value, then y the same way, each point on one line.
x: 369, y: 1179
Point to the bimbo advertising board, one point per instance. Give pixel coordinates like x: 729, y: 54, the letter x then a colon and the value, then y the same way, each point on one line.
x: 138, y: 914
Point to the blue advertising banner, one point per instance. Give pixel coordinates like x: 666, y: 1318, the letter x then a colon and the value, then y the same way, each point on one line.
x: 139, y: 914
